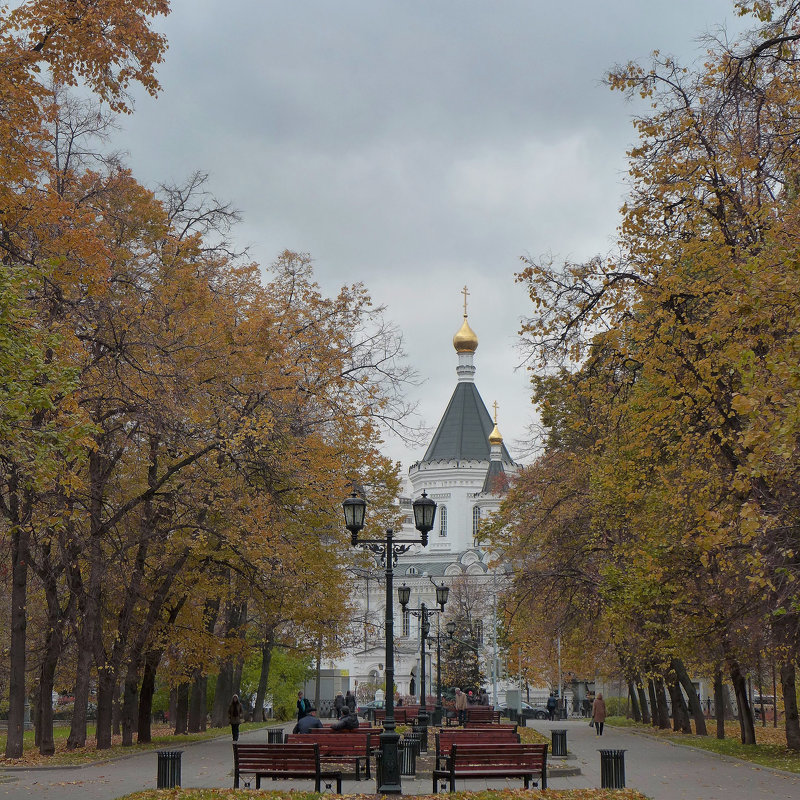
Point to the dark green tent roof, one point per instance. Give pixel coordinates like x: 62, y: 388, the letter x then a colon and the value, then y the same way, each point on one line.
x: 463, y: 433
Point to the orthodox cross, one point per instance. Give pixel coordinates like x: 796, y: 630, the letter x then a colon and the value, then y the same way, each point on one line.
x: 495, y: 411
x: 465, y: 293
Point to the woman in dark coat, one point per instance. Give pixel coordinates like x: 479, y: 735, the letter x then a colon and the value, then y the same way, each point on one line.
x: 350, y: 701
x: 235, y: 716
x: 339, y: 705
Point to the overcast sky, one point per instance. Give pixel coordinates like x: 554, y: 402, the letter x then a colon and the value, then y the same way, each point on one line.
x: 415, y: 146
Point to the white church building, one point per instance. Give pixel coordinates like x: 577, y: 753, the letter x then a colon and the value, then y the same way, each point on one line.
x: 466, y: 470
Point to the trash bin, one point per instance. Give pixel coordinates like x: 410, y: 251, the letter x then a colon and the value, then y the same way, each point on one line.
x: 612, y: 769
x: 169, y: 769
x: 513, y: 715
x: 408, y: 751
x: 274, y: 735
x: 422, y: 732
x: 559, y: 746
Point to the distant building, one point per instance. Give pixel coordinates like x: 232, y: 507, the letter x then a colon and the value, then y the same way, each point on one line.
x: 466, y: 470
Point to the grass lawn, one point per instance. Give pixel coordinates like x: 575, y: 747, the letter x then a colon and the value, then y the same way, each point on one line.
x: 505, y: 794
x: 770, y: 749
x: 162, y: 737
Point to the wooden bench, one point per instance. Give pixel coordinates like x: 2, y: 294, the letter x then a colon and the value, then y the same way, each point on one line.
x: 338, y: 747
x: 402, y: 714
x: 482, y: 714
x: 494, y: 760
x: 282, y: 761
x: 491, y: 726
x: 446, y: 738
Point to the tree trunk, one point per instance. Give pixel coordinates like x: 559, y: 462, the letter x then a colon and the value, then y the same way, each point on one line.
x: 222, y: 696
x: 651, y: 690
x: 695, y: 706
x: 90, y: 598
x: 77, y: 731
x: 36, y: 712
x: 719, y: 703
x: 20, y: 557
x: 130, y: 703
x: 263, y: 680
x: 182, y: 709
x: 661, y: 703
x: 197, y: 703
x: 746, y: 725
x: 116, y: 710
x: 790, y: 706
x: 226, y: 685
x: 47, y: 671
x: 151, y: 661
x: 642, y: 701
x: 105, y: 699
x: 637, y: 714
x: 680, y: 712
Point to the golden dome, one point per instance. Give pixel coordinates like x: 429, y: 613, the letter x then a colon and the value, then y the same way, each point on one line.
x: 465, y: 341
x: 495, y: 437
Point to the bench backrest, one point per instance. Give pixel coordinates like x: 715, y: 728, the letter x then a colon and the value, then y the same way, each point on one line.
x: 361, y: 730
x: 338, y: 743
x: 276, y: 757
x: 445, y: 739
x: 490, y: 726
x: 482, y: 713
x: 498, y: 756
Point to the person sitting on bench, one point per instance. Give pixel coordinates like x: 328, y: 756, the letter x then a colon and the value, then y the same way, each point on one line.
x: 307, y: 723
x: 349, y: 722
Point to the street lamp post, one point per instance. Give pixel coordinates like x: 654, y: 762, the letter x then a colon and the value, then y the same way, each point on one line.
x: 389, y: 548
x: 423, y: 612
x: 437, y: 713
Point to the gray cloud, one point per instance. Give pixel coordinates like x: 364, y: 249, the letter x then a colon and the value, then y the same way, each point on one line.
x: 414, y: 146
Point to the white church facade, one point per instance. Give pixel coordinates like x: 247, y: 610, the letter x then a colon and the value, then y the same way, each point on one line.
x: 466, y: 470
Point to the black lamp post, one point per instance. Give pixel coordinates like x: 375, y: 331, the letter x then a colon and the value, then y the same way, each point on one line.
x: 423, y: 612
x: 441, y: 598
x: 424, y: 514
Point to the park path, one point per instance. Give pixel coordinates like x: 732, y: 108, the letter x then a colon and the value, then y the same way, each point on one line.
x: 658, y: 769
x: 665, y: 771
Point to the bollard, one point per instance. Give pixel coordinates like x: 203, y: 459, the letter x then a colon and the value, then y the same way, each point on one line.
x: 274, y: 735
x: 612, y: 769
x: 169, y: 769
x: 559, y: 746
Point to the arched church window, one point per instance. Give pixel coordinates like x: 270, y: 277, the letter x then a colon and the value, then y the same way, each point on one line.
x: 479, y: 631
x: 443, y: 521
x: 476, y: 521
x: 406, y: 622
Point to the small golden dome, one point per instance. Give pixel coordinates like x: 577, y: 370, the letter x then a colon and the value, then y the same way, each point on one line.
x: 495, y: 437
x: 465, y: 341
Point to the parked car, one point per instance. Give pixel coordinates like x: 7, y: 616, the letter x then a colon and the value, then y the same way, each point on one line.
x: 368, y: 709
x: 527, y: 711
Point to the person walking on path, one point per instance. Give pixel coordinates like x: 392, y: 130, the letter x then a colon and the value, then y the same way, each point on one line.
x: 599, y: 713
x: 235, y: 716
x: 461, y: 707
x: 551, y: 707
x: 338, y: 704
x: 303, y: 706
x: 350, y: 701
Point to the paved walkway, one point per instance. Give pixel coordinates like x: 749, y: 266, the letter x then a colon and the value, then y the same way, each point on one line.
x: 664, y: 771
x: 658, y: 769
